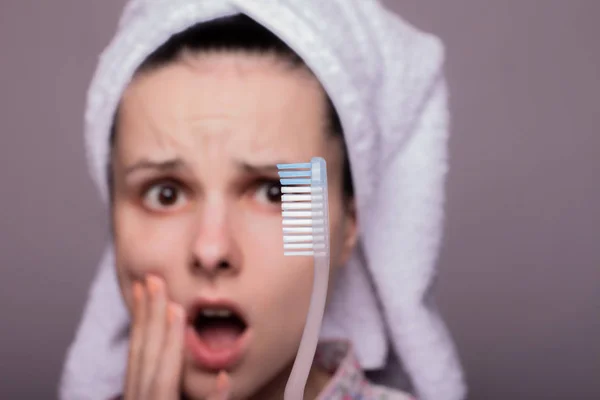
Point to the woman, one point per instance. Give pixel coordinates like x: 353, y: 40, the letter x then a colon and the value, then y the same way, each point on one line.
x: 202, y: 102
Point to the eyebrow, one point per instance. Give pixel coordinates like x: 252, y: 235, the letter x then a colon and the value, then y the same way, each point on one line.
x: 166, y: 165
x: 259, y: 168
x: 176, y: 163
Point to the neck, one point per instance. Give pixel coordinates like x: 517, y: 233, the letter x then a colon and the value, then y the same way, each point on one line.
x: 317, y: 380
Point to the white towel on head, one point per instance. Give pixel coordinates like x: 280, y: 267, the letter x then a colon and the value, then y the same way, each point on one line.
x: 386, y: 81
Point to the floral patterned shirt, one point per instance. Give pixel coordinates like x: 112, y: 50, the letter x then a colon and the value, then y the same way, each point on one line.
x: 348, y: 381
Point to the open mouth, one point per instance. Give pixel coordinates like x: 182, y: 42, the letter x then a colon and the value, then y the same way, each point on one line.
x: 217, y: 334
x: 218, y: 327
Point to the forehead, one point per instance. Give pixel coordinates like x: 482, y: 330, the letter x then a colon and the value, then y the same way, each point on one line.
x: 248, y: 103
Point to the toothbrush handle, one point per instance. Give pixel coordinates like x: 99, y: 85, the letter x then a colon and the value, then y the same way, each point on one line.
x: 294, y: 389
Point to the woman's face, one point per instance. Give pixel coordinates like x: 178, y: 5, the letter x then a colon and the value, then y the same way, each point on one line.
x: 196, y: 202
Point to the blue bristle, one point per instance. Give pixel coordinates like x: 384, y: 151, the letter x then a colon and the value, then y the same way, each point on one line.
x: 295, y: 166
x: 294, y: 174
x: 295, y: 181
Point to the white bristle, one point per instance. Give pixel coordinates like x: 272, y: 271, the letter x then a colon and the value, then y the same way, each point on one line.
x: 296, y: 206
x: 293, y: 214
x: 299, y: 253
x: 301, y: 214
x: 301, y: 206
x: 296, y: 197
x: 301, y: 189
x: 308, y: 229
x: 303, y: 238
x: 296, y: 246
x: 297, y: 239
x: 298, y: 222
x: 302, y: 197
x: 296, y: 189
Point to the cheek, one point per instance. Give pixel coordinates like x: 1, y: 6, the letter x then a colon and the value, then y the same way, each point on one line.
x: 280, y: 284
x: 337, y: 230
x: 146, y: 245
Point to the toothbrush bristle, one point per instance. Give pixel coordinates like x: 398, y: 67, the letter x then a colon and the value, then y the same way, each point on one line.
x: 302, y: 210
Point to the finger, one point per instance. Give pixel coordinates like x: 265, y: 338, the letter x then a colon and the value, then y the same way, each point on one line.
x: 222, y: 387
x: 136, y: 340
x: 168, y: 374
x: 155, y: 333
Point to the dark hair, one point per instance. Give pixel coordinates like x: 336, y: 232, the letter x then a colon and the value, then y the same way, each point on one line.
x: 239, y: 33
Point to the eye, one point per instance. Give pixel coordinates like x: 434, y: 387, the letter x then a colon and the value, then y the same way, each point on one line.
x: 164, y: 195
x: 269, y: 192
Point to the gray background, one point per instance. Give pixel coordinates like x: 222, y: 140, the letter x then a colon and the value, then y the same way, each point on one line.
x: 520, y: 280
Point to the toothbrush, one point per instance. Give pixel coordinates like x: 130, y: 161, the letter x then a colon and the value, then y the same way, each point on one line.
x: 305, y: 211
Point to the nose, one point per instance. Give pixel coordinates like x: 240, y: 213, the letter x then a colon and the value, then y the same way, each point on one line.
x: 214, y: 249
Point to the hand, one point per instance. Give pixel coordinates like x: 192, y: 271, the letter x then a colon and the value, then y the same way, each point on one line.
x: 156, y: 348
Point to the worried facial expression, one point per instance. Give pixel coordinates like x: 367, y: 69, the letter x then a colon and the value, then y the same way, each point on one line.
x: 196, y: 202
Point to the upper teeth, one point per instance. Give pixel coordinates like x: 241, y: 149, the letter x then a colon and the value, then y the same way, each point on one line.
x: 216, y: 312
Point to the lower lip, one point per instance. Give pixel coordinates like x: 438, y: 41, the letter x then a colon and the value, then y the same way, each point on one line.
x: 213, y: 359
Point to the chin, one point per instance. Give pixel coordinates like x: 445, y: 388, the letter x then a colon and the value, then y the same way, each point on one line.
x: 246, y: 381
x: 198, y: 384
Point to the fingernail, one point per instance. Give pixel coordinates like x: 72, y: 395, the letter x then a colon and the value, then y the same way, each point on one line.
x: 137, y: 291
x: 154, y: 284
x: 223, y: 385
